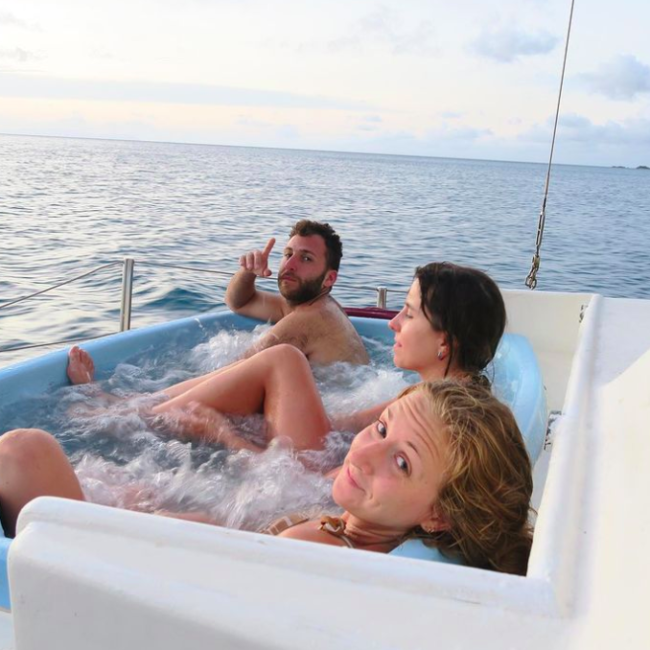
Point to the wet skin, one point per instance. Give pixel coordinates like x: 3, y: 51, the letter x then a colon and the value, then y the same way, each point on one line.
x: 394, y: 470
x: 417, y: 344
x: 303, y: 272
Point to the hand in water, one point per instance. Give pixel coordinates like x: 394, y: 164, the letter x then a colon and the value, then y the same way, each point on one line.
x: 258, y: 261
x: 198, y: 422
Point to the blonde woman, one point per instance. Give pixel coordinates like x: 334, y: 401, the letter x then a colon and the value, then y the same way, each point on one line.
x: 444, y: 463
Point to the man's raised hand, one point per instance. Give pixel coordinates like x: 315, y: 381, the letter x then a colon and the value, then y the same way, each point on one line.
x: 258, y: 261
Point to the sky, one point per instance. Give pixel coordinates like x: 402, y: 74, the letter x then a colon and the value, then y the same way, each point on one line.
x: 466, y: 79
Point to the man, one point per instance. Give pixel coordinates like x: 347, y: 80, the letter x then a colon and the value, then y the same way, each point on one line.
x: 304, y: 313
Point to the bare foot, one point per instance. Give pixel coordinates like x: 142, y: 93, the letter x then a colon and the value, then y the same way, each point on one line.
x: 81, y: 369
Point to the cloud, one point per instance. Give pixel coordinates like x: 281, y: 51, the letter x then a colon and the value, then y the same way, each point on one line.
x: 9, y: 19
x: 443, y: 141
x: 582, y: 141
x: 382, y: 26
x: 247, y: 120
x: 17, y: 54
x: 578, y: 128
x: 506, y: 44
x: 28, y: 86
x: 288, y: 132
x: 459, y: 133
x: 624, y: 77
x: 369, y: 123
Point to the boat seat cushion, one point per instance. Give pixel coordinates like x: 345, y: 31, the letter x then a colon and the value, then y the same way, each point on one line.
x: 517, y: 381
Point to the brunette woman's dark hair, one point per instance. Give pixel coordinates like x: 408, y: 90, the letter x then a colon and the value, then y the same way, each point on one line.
x: 468, y: 307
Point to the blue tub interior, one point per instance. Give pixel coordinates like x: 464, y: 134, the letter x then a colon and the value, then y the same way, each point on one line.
x: 515, y: 375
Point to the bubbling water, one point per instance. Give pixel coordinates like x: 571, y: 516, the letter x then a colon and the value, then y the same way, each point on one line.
x: 122, y: 461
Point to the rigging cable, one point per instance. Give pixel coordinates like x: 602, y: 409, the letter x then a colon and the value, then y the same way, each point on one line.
x: 531, y: 280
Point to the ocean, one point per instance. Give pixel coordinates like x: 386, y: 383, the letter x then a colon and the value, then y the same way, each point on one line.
x: 68, y: 206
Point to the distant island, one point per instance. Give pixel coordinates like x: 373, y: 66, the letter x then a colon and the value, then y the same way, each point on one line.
x: 623, y: 167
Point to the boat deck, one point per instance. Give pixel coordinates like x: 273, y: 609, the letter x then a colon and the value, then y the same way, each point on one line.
x: 79, y: 568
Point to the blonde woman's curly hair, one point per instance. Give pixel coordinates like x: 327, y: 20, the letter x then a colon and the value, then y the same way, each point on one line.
x: 486, y: 491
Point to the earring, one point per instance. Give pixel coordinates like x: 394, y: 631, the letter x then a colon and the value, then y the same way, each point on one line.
x: 430, y: 530
x: 441, y: 355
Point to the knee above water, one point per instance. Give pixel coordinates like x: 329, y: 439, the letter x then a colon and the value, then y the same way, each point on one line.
x: 26, y: 445
x: 285, y: 352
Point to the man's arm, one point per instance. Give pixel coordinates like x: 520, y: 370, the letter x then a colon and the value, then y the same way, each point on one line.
x: 297, y: 328
x: 243, y: 297
x: 199, y: 422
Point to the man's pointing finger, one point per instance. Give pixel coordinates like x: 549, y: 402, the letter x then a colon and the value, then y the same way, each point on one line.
x: 269, y: 247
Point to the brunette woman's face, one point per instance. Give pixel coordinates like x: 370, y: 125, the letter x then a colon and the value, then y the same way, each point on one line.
x: 393, y: 472
x: 416, y: 342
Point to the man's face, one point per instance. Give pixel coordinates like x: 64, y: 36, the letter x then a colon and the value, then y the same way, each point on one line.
x: 303, y: 272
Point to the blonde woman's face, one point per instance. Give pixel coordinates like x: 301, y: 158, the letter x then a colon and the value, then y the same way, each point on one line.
x: 393, y: 472
x: 416, y: 342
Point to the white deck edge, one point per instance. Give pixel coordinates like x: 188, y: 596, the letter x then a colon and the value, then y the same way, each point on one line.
x: 555, y: 540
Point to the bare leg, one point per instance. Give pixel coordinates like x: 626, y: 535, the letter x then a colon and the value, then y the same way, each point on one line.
x: 81, y: 370
x: 184, y: 386
x: 277, y: 382
x: 32, y: 464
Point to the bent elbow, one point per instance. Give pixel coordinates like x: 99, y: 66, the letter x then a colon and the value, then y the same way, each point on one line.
x: 232, y: 303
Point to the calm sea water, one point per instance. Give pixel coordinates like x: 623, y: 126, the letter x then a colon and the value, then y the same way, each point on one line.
x: 68, y: 206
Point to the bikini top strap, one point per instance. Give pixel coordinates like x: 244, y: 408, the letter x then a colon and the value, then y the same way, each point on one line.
x: 283, y: 523
x: 332, y: 525
x: 335, y: 526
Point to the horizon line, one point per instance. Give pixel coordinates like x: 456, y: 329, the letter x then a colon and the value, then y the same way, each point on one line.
x: 340, y: 151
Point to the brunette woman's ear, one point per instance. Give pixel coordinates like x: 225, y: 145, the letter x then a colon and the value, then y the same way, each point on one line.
x: 443, y: 349
x: 445, y: 346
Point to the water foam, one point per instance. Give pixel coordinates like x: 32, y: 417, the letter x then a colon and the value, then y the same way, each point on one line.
x: 121, y: 461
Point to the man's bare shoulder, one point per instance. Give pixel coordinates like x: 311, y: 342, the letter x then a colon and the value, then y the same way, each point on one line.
x: 316, y: 311
x: 300, y: 323
x: 322, y: 316
x: 328, y: 333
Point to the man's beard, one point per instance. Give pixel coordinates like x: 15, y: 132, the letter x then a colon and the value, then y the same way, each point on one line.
x: 301, y: 291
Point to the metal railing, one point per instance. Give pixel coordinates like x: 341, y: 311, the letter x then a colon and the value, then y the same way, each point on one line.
x: 128, y: 266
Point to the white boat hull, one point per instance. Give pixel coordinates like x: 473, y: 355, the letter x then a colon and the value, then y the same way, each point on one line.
x: 84, y: 576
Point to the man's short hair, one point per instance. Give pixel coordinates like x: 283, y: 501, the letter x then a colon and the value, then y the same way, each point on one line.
x: 333, y: 245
